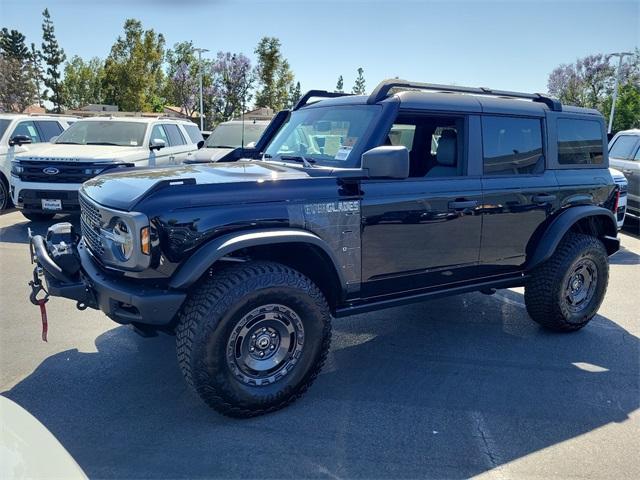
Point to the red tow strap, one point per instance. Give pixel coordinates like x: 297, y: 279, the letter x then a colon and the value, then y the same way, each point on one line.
x: 43, y: 314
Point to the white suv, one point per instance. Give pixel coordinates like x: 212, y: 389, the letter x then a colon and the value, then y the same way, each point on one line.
x: 47, y: 179
x: 30, y: 129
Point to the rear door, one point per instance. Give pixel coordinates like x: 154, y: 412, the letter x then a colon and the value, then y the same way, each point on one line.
x: 519, y: 192
x: 423, y: 231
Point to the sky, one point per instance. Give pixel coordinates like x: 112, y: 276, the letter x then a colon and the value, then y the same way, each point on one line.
x: 510, y: 45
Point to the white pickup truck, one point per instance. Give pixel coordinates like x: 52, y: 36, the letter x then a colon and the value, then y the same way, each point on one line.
x: 46, y: 179
x: 36, y: 128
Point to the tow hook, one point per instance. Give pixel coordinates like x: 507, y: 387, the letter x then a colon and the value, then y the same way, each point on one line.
x: 36, y: 288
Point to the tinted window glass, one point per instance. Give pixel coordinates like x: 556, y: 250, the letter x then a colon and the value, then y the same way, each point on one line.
x: 104, y: 132
x: 194, y: 133
x: 28, y: 129
x: 3, y: 126
x: 159, y: 133
x: 579, y: 142
x: 49, y: 129
x: 230, y: 135
x: 175, y: 136
x: 512, y: 145
x: 623, y: 147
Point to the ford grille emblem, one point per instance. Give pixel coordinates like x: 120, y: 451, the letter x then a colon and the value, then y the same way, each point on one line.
x: 51, y: 171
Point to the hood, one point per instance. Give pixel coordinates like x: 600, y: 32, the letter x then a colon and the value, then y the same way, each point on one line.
x: 58, y: 152
x: 122, y: 190
x: 212, y: 154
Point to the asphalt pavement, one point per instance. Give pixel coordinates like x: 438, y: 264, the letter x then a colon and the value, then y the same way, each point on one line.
x: 457, y: 387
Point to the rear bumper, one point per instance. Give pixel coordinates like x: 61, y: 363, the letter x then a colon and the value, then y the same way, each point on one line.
x: 123, y: 300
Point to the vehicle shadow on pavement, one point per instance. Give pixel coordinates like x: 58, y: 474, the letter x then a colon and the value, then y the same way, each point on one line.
x: 449, y: 388
x: 18, y: 232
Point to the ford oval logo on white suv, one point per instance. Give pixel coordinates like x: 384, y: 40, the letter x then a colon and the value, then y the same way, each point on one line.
x: 50, y: 171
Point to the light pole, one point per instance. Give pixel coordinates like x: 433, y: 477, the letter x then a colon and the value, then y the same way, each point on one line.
x: 200, y: 52
x: 615, y: 85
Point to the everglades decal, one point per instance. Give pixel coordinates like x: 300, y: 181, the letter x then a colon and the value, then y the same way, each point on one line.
x: 332, y: 207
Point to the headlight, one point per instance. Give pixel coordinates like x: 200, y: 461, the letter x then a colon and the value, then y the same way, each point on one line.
x: 16, y: 168
x: 123, y: 239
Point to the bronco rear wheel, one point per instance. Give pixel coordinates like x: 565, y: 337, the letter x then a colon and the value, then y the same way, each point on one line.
x: 565, y: 292
x: 253, y: 337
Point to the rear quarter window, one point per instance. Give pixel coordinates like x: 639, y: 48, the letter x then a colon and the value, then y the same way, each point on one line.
x: 579, y: 142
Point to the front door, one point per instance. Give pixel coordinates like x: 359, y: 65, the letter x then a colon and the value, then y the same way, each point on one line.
x: 424, y: 230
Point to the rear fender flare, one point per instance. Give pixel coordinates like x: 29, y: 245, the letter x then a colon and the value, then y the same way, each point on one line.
x: 562, y: 224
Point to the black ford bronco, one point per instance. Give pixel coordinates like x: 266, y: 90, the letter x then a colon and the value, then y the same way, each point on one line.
x: 345, y: 205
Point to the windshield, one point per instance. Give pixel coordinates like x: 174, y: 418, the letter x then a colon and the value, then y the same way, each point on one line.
x: 107, y: 132
x: 322, y: 135
x: 4, y: 123
x: 230, y: 134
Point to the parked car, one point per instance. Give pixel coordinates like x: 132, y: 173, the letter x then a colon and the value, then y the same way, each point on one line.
x: 45, y: 180
x: 623, y: 186
x: 624, y: 155
x: 37, y: 128
x: 29, y: 450
x: 249, y: 261
x: 229, y: 136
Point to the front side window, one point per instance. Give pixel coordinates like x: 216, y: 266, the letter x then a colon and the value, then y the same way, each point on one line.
x: 107, y: 132
x: 28, y: 129
x: 512, y: 146
x: 579, y: 142
x: 175, y: 137
x: 326, y: 135
x: 623, y: 147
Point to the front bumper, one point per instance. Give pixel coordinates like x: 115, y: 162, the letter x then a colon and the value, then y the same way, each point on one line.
x: 121, y: 299
x: 28, y: 196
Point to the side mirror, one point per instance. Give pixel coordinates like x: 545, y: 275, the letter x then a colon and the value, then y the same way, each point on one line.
x: 19, y: 140
x: 250, y: 145
x: 386, y: 162
x: 200, y: 144
x: 53, y: 139
x: 157, y: 144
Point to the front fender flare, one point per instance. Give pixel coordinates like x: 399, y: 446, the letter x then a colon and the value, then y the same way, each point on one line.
x: 560, y: 226
x: 198, y: 263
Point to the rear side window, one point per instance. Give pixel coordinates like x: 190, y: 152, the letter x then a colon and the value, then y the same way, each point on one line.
x: 49, y: 129
x: 194, y: 133
x: 175, y: 137
x: 623, y: 147
x: 512, y: 146
x: 579, y: 142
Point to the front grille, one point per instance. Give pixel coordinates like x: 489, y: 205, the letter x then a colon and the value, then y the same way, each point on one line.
x: 90, y: 221
x: 67, y: 172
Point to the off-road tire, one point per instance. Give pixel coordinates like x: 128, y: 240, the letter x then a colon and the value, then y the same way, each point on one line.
x: 544, y: 295
x: 216, y: 308
x: 38, y: 216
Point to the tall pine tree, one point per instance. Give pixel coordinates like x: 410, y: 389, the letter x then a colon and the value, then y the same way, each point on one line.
x: 12, y: 45
x: 359, y: 86
x: 340, y: 85
x: 36, y: 65
x: 53, y: 56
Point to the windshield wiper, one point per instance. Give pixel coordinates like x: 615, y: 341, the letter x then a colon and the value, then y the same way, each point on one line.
x: 220, y: 146
x: 68, y: 143
x: 105, y: 143
x: 299, y: 158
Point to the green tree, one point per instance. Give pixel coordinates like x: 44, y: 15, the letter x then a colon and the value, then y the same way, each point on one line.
x: 340, y: 85
x: 232, y: 78
x: 295, y: 94
x: 359, y: 86
x: 133, y: 76
x: 53, y: 56
x: 182, y: 82
x: 38, y: 73
x: 12, y: 45
x: 82, y: 82
x: 273, y: 74
x: 17, y: 90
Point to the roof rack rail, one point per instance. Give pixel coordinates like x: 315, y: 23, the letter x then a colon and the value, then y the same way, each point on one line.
x: 382, y: 91
x: 319, y: 94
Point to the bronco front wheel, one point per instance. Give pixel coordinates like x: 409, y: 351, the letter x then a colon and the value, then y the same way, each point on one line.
x: 252, y: 338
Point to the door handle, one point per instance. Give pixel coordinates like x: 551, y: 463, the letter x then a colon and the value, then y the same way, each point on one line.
x: 544, y: 198
x: 463, y: 204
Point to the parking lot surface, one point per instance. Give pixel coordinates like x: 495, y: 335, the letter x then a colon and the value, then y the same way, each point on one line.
x: 453, y: 388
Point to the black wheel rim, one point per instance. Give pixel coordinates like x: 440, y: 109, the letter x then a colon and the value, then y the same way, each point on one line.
x: 265, y: 345
x: 581, y: 285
